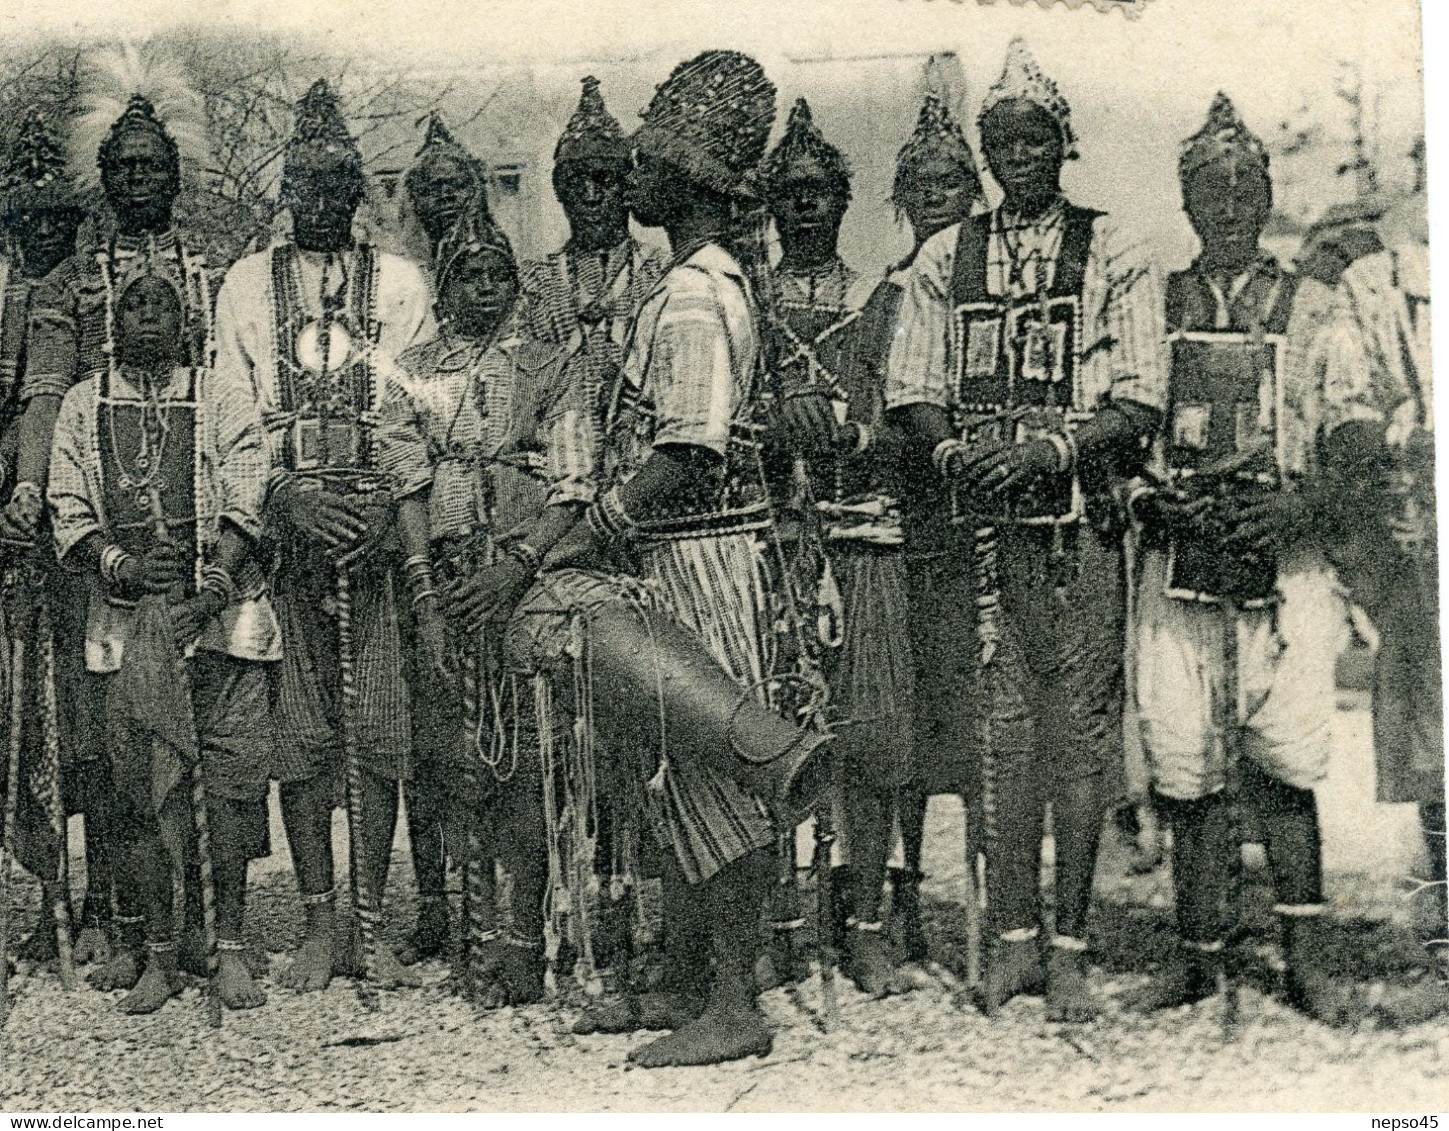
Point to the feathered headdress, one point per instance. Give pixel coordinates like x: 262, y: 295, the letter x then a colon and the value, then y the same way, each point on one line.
x: 34, y: 172
x: 711, y: 117
x: 1224, y: 137
x: 128, y: 88
x: 937, y: 134
x: 592, y: 132
x: 1022, y: 79
x: 803, y: 140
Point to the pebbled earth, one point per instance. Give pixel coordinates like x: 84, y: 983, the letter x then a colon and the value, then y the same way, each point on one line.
x: 428, y: 1051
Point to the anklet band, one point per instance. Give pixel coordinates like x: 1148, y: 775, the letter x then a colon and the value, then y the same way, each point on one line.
x: 1068, y: 942
x: 1214, y: 947
x: 1298, y: 910
x: 787, y: 924
x: 1021, y: 934
x: 165, y: 946
x: 489, y: 936
x: 522, y: 941
x: 854, y: 924
x: 235, y: 946
x: 320, y: 897
x: 128, y: 920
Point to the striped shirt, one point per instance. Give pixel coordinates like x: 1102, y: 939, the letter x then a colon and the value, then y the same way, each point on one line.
x: 231, y: 479
x: 457, y: 417
x: 1122, y: 311
x: 1377, y: 354
x: 691, y: 360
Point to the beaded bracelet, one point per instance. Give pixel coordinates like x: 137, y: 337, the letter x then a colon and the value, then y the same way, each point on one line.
x: 608, y: 519
x: 1065, y: 454
x: 113, y: 558
x: 943, y: 453
x: 525, y: 554
x: 217, y: 579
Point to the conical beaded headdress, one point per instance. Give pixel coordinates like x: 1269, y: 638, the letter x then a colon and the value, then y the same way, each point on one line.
x: 1224, y: 137
x: 937, y: 134
x: 803, y: 140
x: 438, y: 142
x: 592, y: 132
x: 711, y: 117
x: 34, y: 174
x: 1022, y: 79
x: 320, y: 127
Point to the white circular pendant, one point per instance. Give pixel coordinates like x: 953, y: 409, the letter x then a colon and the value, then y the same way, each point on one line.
x: 309, y: 347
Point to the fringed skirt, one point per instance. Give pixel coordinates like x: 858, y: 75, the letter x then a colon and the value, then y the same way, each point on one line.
x: 872, y: 682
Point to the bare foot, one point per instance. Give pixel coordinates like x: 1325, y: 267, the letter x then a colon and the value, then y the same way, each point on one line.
x: 717, y: 1036
x: 632, y: 1012
x: 870, y: 964
x: 41, y: 946
x: 191, y: 952
x: 388, y: 973
x: 1011, y: 968
x: 91, y: 945
x: 1069, y: 997
x: 234, y: 983
x: 121, y: 972
x: 430, y: 935
x: 158, y: 985
x: 311, y: 969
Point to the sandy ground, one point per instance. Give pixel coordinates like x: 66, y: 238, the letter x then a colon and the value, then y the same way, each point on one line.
x: 929, y: 1050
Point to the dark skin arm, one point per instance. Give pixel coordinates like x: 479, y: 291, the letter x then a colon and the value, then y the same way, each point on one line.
x: 413, y: 530
x: 670, y: 473
x: 491, y: 595
x: 20, y: 520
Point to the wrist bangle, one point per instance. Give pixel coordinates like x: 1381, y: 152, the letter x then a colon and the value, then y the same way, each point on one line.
x: 1065, y: 454
x: 218, y: 580
x: 113, y: 558
x: 864, y: 437
x: 1137, y: 494
x: 526, y: 554
x: 608, y: 519
x: 419, y: 571
x: 943, y: 453
x: 422, y: 595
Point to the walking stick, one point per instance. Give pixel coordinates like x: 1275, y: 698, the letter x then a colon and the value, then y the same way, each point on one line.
x: 985, y: 550
x: 1228, y: 721
x: 363, y: 905
x: 50, y: 725
x: 12, y: 793
x: 824, y: 917
x: 199, y: 816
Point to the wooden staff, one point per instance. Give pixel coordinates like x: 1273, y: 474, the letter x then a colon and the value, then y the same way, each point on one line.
x: 12, y: 792
x: 198, y: 802
x: 824, y: 915
x: 50, y: 724
x: 985, y: 550
x: 479, y: 913
x: 363, y: 905
x: 1232, y: 753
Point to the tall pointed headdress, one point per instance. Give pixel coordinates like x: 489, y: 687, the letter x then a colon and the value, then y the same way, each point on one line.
x: 711, y: 117
x: 319, y: 127
x: 937, y: 134
x: 1224, y: 137
x: 438, y: 141
x: 592, y: 132
x: 1022, y: 79
x: 34, y: 176
x: 803, y: 140
x: 135, y: 89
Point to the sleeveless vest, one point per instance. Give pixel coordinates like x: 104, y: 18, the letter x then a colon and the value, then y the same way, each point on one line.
x: 1225, y: 429
x: 1016, y: 362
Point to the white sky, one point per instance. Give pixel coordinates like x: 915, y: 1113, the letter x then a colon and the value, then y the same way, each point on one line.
x: 1136, y: 86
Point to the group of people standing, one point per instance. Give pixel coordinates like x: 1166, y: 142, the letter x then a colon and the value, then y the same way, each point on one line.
x: 617, y: 564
